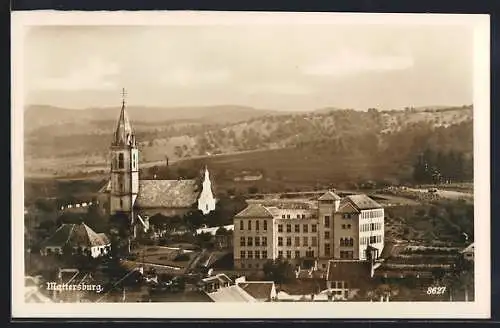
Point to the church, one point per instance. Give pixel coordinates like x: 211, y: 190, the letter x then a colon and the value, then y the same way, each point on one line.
x: 127, y: 194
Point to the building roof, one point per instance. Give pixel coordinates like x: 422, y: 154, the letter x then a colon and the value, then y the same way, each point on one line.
x: 213, y: 230
x: 221, y: 277
x: 231, y: 294
x: 76, y: 235
x: 304, y: 204
x: 363, y: 202
x: 258, y: 289
x: 347, y: 207
x: 329, y: 195
x: 124, y: 135
x: 167, y: 193
x: 352, y: 271
x: 255, y: 211
x: 468, y: 249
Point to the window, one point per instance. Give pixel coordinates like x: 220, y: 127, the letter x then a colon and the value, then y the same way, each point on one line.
x: 297, y: 228
x: 305, y: 241
x: 372, y: 239
x: 297, y: 254
x: 242, y: 241
x: 288, y: 228
x: 249, y: 225
x: 264, y: 241
x: 121, y: 203
x: 303, y: 216
x: 372, y: 226
x: 121, y: 164
x: 257, y: 254
x: 288, y: 216
x: 250, y: 254
x: 309, y: 253
x: 280, y: 228
x: 327, y: 234
x: 343, y: 226
x: 280, y: 241
x: 280, y: 254
x: 327, y: 249
x: 313, y: 228
x: 314, y: 241
x: 298, y: 216
x: 348, y: 226
x: 242, y: 227
x: 327, y: 221
x: 342, y: 242
x: 288, y: 254
x: 257, y: 225
x: 305, y: 228
x: 297, y: 241
x: 289, y: 241
x: 264, y: 254
x: 250, y: 241
x: 242, y: 254
x: 265, y: 225
x: 347, y: 216
x: 283, y: 216
x: 257, y: 241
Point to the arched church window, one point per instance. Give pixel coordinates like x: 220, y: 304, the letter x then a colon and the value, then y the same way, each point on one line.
x: 120, y: 161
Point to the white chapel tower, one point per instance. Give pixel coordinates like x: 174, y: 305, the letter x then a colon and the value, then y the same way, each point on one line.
x: 124, y: 167
x: 206, y: 202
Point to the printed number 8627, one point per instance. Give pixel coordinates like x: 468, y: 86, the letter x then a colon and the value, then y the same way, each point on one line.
x: 436, y: 290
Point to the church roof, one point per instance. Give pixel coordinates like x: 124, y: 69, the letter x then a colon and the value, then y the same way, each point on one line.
x: 76, y: 235
x: 167, y: 193
x: 363, y: 202
x: 255, y: 211
x: 124, y: 135
x: 329, y: 196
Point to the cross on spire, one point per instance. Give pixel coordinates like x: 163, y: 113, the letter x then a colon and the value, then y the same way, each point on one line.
x: 124, y: 94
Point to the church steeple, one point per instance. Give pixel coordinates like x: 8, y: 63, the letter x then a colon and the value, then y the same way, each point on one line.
x: 124, y: 135
x: 206, y: 202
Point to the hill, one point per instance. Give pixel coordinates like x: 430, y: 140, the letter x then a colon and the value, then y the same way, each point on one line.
x: 81, y: 143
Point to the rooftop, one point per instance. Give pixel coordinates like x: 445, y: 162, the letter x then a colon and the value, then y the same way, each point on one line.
x: 167, y: 193
x: 255, y: 211
x: 76, y: 235
x: 363, y: 202
x: 352, y: 271
x: 329, y: 195
x: 231, y: 294
x: 258, y: 289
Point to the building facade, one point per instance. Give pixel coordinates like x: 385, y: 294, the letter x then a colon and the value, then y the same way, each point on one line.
x: 308, y: 233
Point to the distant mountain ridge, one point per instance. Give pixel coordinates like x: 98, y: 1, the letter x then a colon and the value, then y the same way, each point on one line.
x: 37, y: 116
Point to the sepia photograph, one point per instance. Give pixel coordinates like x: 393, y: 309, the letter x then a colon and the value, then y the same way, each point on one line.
x: 329, y: 165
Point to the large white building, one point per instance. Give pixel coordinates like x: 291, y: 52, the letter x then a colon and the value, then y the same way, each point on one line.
x: 308, y: 232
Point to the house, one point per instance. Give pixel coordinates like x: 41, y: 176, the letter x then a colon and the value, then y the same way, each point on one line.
x: 468, y: 252
x: 221, y: 236
x: 346, y: 277
x: 77, y: 238
x: 214, y: 283
x: 231, y: 294
x: 261, y: 291
x: 135, y: 199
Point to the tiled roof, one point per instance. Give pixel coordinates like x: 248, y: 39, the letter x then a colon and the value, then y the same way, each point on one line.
x: 347, y: 207
x: 167, y: 193
x: 231, y: 294
x: 363, y: 202
x: 353, y: 272
x: 260, y: 290
x: 286, y: 203
x: 329, y: 196
x: 75, y: 235
x: 255, y: 211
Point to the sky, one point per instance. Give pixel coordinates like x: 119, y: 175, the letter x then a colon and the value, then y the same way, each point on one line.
x: 280, y: 67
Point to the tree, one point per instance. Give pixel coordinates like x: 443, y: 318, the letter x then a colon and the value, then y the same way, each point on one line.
x: 279, y: 271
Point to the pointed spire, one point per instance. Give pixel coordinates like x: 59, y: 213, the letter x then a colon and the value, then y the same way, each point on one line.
x: 124, y: 135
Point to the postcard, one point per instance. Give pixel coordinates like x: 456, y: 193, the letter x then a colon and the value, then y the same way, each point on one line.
x: 315, y: 165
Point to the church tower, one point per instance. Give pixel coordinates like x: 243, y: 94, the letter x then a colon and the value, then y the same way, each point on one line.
x: 206, y: 202
x: 124, y: 167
